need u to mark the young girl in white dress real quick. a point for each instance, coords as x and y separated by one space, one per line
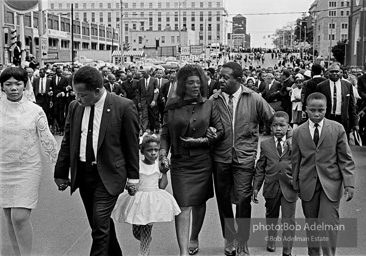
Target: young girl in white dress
148 202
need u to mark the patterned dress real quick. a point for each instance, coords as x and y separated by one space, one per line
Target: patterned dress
24 133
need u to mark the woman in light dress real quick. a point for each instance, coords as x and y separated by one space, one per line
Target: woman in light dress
24 134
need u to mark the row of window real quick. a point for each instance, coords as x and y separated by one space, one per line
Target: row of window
332 37
334 13
343 4
134 5
343 25
193 27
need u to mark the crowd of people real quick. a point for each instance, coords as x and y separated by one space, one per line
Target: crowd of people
201 124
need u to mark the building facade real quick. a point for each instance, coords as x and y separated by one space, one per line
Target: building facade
206 17
239 37
330 21
57 31
356 46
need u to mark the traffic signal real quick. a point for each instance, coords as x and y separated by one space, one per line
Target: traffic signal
13 37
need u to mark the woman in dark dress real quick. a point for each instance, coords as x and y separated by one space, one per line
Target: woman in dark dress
191 125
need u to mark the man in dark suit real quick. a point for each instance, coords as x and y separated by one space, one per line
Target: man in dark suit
287 83
114 87
41 88
310 86
59 84
130 87
161 104
100 148
147 96
212 84
341 106
272 95
261 82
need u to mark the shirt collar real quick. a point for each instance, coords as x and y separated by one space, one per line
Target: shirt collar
311 123
283 139
100 102
235 94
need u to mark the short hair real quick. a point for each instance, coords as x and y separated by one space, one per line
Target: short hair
286 72
316 69
16 72
316 96
235 67
111 76
280 114
146 139
90 77
187 71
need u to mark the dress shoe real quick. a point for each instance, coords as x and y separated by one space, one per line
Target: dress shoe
271 246
242 249
230 249
193 247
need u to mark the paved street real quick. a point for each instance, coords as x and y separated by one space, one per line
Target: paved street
61 228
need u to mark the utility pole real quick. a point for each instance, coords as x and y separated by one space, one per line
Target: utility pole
40 32
72 34
112 45
121 33
330 41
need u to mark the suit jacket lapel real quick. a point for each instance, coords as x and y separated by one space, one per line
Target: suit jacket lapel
324 132
78 117
307 135
105 119
344 97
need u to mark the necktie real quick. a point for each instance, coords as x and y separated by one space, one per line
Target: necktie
89 154
335 99
112 87
231 105
146 84
316 134
279 148
41 87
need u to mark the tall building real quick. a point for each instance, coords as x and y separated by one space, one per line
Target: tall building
239 36
206 16
356 47
330 21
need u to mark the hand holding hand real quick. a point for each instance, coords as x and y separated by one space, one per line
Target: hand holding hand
62 184
153 104
131 188
164 164
254 196
348 193
211 133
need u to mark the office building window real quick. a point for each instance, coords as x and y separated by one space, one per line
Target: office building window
201 4
184 17
52 6
167 5
93 5
117 17
159 5
76 16
167 17
159 27
134 14
159 16
117 5
109 17
332 4
141 14
331 36
126 5
342 13
142 25
217 4
163 39
347 13
201 27
101 17
126 27
142 5
150 5
193 27
76 6
344 25
84 6
85 17
133 5
140 39
209 4
109 5
176 27
332 13
126 15
93 17
100 5
201 16
218 28
331 25
60 5
134 26
209 27
172 39
209 37
344 37
176 16
193 4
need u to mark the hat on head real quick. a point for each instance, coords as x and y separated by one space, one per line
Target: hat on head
307 73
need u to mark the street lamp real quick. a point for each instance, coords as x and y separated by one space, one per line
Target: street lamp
180 29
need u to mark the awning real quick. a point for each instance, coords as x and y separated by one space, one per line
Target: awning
129 53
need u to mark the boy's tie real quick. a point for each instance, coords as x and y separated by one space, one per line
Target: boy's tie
279 148
334 99
316 134
231 105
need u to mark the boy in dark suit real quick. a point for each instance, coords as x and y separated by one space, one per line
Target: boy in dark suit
274 166
322 166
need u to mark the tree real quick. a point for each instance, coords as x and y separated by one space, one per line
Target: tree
339 51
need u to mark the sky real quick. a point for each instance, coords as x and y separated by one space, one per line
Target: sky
260 26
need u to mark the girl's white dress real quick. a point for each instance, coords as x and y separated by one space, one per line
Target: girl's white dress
24 134
149 204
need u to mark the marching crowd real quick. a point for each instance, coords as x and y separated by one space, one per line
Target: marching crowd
208 122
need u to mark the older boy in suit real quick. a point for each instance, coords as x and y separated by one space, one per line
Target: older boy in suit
274 166
322 166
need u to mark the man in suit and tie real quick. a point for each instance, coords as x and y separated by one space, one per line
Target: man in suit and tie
41 89
168 88
114 87
17 53
272 95
147 96
341 105
161 104
309 86
59 84
212 85
261 82
101 150
285 98
130 87
322 167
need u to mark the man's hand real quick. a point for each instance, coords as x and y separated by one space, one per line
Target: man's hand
131 188
153 104
211 133
361 113
50 93
254 196
62 184
356 128
348 193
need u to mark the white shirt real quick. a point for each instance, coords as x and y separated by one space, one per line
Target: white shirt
98 111
42 85
339 96
147 81
312 128
236 97
160 82
270 85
